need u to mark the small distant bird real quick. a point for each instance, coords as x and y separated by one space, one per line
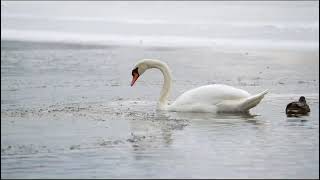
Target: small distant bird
298 108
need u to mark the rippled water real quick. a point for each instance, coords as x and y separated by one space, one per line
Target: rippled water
68 111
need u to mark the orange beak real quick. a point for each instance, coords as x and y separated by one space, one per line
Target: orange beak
135 76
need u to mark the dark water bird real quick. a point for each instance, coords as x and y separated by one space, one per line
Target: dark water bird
298 108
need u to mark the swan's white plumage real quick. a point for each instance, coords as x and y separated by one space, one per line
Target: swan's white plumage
209 98
206 98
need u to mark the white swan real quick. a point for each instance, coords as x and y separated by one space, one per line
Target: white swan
209 98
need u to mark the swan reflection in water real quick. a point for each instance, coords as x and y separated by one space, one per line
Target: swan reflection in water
165 124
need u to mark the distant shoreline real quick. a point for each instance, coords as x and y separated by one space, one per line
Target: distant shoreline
9 44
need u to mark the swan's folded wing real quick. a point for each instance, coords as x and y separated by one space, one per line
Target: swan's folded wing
243 104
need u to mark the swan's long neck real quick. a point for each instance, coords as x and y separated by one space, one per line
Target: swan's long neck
166 88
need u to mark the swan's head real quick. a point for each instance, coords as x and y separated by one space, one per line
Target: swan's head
139 69
145 64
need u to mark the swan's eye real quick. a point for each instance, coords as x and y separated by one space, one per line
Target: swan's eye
135 71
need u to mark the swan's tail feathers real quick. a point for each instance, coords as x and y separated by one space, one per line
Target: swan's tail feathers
252 101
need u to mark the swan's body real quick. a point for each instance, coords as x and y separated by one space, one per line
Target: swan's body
215 98
209 98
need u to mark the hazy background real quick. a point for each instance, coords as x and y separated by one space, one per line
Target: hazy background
253 24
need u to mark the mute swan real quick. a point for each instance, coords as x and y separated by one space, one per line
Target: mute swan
298 108
208 98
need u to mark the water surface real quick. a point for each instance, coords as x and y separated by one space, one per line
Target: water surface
68 111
